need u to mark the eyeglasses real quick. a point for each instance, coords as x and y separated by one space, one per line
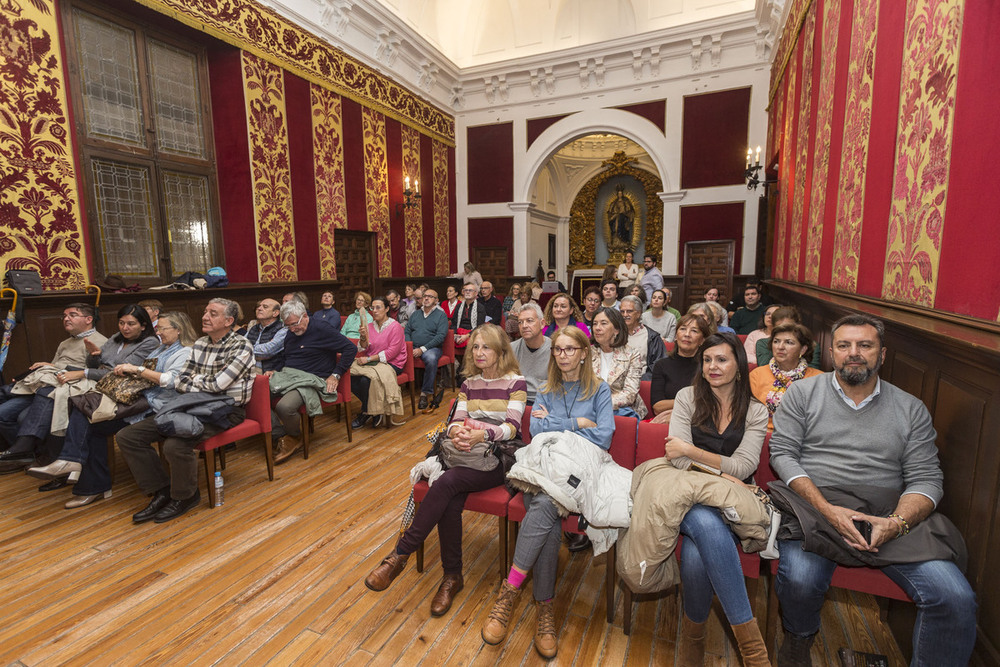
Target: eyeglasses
163 327
564 351
295 324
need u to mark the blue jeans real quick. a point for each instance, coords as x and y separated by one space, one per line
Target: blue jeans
945 630
710 565
430 358
37 419
10 412
87 444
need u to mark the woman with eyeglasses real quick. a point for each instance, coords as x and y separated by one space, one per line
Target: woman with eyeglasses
572 399
385 352
84 455
358 321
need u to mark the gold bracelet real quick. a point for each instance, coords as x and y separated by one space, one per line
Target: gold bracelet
904 527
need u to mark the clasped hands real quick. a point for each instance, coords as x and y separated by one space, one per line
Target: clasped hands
843 518
541 412
464 438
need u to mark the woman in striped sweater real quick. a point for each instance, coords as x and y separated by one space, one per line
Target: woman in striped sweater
494 391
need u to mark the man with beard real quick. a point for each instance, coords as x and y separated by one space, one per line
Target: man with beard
858 454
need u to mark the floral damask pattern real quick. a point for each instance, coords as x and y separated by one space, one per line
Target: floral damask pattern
377 186
824 129
442 251
413 225
923 150
253 27
328 170
272 194
802 141
785 50
854 151
39 209
785 187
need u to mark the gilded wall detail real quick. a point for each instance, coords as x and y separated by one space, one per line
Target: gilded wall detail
442 254
377 186
923 150
269 169
40 214
801 195
413 223
328 170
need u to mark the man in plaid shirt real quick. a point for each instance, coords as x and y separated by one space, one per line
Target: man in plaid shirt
221 363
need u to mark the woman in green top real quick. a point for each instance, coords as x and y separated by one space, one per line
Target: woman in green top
358 320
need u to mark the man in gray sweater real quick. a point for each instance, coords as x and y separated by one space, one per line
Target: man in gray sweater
532 349
845 429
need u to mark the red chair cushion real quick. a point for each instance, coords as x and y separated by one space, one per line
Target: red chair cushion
650 441
491 501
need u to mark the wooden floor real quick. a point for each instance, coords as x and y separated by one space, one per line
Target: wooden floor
276 577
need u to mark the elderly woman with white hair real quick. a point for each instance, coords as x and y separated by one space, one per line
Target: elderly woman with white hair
640 337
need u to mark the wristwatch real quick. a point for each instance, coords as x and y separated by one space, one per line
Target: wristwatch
336 377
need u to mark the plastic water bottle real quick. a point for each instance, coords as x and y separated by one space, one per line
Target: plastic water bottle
220 492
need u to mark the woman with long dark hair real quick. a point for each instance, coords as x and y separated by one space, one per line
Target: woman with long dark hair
617 363
676 370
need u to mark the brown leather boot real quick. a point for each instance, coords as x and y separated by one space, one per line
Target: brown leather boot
495 628
691 649
546 640
752 648
451 584
388 569
287 446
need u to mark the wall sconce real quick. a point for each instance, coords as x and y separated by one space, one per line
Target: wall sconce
752 173
411 198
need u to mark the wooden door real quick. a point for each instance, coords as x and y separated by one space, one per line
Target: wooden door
708 264
491 262
355 266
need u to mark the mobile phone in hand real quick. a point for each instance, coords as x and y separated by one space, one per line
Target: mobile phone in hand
865 528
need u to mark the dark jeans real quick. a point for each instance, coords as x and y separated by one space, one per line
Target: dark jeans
87 444
11 411
361 385
37 419
442 507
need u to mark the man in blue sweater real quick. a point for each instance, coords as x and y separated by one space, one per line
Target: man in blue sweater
848 438
426 329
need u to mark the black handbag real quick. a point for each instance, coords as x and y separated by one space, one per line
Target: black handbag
25 283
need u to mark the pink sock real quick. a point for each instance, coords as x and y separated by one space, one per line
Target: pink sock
515 578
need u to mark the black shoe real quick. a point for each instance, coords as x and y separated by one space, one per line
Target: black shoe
18 456
360 421
159 501
422 403
57 483
175 508
7 467
794 651
577 541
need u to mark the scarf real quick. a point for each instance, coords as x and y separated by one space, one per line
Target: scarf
473 316
782 380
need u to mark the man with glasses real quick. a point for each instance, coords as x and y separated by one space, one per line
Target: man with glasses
468 315
426 329
78 321
267 335
640 337
310 370
651 278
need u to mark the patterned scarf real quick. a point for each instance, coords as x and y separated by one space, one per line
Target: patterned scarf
782 380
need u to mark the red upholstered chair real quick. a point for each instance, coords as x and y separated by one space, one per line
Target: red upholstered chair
343 398
669 347
447 359
343 321
406 377
742 337
257 422
623 452
645 387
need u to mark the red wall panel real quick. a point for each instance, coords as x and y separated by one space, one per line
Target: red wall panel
427 201
491 163
715 138
535 126
712 222
298 110
655 112
493 233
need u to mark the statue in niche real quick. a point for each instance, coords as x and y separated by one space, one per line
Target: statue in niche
622 223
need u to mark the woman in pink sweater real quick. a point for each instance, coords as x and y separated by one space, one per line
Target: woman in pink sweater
386 345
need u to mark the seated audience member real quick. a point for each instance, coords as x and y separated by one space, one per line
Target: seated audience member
705 312
719 312
853 448
409 295
356 324
221 365
646 342
764 331
747 318
469 314
309 372
658 319
532 349
327 313
718 424
737 301
450 302
524 298
676 370
650 279
638 293
395 303
298 296
609 290
267 335
783 315
713 294
666 305
791 347
561 311
551 277
491 305
628 271
572 399
48 412
427 329
84 455
617 363
513 294
153 308
493 395
415 303
591 304
78 320
536 290
374 371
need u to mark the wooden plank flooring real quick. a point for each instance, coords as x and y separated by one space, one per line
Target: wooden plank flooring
275 577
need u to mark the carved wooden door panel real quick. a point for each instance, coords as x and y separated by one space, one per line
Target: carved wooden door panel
491 262
708 264
355 266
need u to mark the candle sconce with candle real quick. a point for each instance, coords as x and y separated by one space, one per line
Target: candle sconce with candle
752 173
411 197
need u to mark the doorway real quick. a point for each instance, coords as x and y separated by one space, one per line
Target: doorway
708 264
